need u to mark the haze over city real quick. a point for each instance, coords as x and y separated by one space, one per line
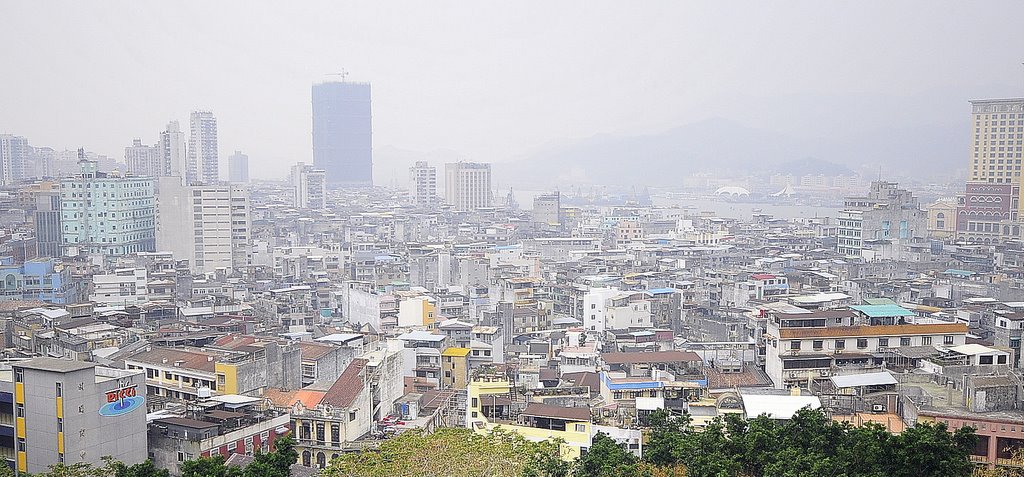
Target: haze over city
511 239
495 82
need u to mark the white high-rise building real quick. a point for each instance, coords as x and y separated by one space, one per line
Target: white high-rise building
310 186
208 225
238 168
203 160
143 160
172 151
424 183
467 185
14 159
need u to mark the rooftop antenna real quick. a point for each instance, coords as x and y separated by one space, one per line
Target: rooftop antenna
343 73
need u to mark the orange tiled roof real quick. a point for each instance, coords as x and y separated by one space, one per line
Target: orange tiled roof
282 398
879 330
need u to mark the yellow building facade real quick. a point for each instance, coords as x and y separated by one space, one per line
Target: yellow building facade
486 390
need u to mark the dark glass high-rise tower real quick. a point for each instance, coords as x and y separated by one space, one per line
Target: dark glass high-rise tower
342 143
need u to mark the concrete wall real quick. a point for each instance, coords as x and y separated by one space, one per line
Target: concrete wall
88 436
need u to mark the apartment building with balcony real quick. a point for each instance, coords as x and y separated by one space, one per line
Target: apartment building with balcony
811 346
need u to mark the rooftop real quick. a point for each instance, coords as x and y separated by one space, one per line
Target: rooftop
881 311
348 386
557 412
879 330
650 357
55 365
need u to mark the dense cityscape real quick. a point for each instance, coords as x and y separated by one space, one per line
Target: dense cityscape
167 313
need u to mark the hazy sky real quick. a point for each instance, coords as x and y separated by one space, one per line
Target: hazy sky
490 81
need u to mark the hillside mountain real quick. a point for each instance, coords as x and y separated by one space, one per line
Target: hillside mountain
723 146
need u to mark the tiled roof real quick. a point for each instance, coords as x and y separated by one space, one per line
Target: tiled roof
283 398
193 360
817 314
348 386
314 351
880 330
557 412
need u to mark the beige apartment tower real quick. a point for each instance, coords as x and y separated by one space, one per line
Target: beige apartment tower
990 209
467 185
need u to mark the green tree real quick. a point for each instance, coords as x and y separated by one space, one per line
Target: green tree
930 449
117 468
207 467
274 464
453 451
606 458
667 439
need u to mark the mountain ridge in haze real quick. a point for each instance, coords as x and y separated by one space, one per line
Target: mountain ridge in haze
725 147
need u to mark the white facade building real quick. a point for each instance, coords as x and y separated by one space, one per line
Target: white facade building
143 160
628 310
467 185
125 286
173 154
238 168
594 306
310 185
424 184
208 225
14 158
203 160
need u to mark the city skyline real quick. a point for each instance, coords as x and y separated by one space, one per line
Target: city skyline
750 87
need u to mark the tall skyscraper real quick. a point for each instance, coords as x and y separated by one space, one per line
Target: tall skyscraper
342 144
310 185
143 160
238 168
14 159
203 161
990 210
424 184
172 151
106 214
467 185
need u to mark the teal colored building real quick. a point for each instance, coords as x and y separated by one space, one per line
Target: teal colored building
107 214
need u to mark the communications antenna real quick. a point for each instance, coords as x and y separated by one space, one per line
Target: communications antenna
343 74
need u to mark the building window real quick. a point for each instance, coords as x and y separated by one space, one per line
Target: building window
794 345
351 416
947 340
19 375
862 343
581 428
883 342
926 340
840 344
984 359
60 390
818 344
905 341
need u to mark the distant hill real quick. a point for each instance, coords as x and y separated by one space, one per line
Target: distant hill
723 146
810 165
